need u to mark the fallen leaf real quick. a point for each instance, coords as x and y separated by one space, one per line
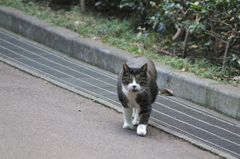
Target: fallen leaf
236 78
185 68
194 46
168 91
96 38
77 22
204 69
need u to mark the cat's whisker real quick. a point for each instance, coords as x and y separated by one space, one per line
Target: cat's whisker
144 90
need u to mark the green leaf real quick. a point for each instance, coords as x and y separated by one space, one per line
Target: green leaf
204 11
194 5
153 4
98 3
139 36
172 5
160 28
208 43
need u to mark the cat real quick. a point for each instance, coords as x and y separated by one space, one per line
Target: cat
137 90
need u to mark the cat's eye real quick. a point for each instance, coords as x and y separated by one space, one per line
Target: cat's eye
126 79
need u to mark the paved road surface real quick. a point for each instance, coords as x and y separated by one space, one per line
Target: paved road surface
40 120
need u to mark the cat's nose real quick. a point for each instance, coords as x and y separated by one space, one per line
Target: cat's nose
134 86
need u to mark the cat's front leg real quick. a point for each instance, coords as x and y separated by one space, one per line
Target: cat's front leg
144 116
136 116
127 113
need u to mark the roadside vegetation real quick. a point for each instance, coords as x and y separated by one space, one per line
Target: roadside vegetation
202 37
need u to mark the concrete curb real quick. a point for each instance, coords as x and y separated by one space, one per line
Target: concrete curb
209 93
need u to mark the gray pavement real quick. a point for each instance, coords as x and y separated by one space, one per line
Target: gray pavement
41 120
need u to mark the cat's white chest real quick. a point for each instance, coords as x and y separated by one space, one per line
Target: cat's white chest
131 96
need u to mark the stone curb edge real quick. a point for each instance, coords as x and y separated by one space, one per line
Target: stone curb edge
206 92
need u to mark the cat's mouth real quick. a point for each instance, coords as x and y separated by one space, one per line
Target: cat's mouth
134 90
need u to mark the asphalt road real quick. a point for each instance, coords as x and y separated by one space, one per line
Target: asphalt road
41 120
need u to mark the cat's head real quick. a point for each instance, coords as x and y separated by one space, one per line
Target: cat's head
134 79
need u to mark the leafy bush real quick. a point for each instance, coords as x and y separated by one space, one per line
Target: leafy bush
211 24
207 29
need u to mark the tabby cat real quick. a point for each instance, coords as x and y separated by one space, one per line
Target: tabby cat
137 90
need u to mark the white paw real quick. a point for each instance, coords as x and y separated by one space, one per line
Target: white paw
142 130
127 126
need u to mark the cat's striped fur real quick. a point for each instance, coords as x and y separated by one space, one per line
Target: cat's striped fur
137 90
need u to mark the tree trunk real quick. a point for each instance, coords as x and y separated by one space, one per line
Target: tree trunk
226 53
178 33
82 3
185 44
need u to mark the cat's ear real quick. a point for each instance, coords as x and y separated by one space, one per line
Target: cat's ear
143 68
125 68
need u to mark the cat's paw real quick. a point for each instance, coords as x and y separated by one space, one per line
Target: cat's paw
142 130
127 126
